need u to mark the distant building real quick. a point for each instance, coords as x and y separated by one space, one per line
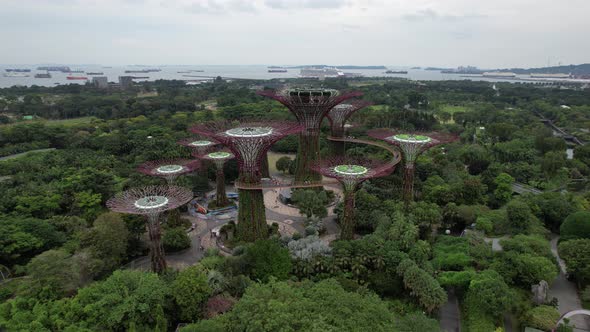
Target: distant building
100 82
126 81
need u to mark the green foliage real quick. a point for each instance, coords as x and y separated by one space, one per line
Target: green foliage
190 290
266 259
458 280
283 164
484 224
416 322
576 254
576 226
322 306
422 285
542 317
488 293
107 241
54 273
175 239
503 191
311 202
451 253
520 216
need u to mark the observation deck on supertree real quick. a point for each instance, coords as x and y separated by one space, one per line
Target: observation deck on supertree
338 116
351 173
219 158
309 106
169 169
412 145
198 146
151 202
249 143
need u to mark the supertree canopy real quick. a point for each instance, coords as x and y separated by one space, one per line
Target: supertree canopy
309 106
151 202
199 146
411 145
352 172
249 143
338 116
169 169
219 158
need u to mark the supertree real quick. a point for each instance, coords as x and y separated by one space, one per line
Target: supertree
351 173
338 116
219 158
169 169
249 143
309 106
411 145
199 147
151 202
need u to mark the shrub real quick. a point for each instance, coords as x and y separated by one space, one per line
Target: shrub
576 226
484 224
542 317
266 258
176 239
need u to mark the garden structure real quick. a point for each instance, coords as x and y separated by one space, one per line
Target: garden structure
219 158
169 169
309 106
249 143
411 145
151 202
338 116
198 148
351 173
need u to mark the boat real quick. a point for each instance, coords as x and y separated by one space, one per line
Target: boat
197 70
416 68
140 71
283 70
15 74
396 72
183 72
140 77
76 77
17 70
43 75
547 75
94 73
320 72
77 71
63 69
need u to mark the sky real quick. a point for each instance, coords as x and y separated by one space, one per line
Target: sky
446 33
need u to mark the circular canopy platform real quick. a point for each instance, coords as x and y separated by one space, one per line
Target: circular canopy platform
303 92
201 143
350 170
409 138
151 202
169 169
249 131
220 155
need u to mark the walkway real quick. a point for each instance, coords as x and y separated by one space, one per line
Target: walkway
449 315
22 154
566 292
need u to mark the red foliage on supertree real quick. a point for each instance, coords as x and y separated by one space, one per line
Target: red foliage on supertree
340 113
249 142
169 169
150 200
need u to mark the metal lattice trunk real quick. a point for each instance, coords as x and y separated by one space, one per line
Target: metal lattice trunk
249 143
219 158
309 106
151 202
412 146
338 116
351 172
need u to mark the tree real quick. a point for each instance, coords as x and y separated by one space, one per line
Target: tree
283 164
503 191
543 317
576 254
190 291
552 162
576 226
416 322
520 217
311 202
489 293
306 306
422 285
107 241
266 259
176 239
53 274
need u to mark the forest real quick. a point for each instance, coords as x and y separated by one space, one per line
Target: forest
469 238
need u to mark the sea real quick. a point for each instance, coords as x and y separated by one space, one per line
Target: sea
169 72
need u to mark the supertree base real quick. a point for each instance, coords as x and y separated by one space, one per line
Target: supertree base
347 224
307 155
251 216
157 256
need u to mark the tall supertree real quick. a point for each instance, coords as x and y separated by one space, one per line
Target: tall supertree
151 202
249 143
351 173
309 106
199 147
219 158
338 116
412 145
169 169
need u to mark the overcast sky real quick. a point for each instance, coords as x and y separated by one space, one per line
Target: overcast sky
489 34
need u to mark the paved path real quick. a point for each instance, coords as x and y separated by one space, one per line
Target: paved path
12 156
496 246
449 316
566 292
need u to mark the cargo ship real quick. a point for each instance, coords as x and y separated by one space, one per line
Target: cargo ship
76 77
547 75
43 75
63 69
17 70
396 72
321 72
15 74
278 70
94 74
140 71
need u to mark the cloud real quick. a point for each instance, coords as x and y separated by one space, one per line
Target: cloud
220 7
432 15
306 4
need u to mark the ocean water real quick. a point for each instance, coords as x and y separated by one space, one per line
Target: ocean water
225 71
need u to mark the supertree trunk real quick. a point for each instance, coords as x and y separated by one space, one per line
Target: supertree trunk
307 154
251 216
338 147
264 167
409 171
157 257
347 225
221 199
